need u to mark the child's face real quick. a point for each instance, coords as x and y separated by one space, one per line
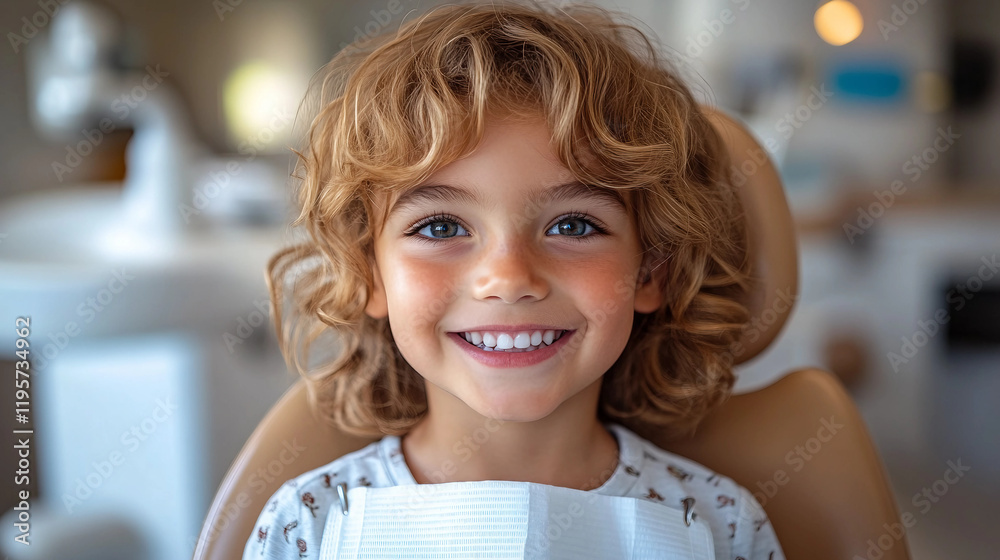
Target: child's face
506 261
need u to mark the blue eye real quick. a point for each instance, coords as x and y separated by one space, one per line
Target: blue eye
571 231
435 225
441 229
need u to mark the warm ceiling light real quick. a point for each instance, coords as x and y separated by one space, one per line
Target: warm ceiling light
838 22
258 98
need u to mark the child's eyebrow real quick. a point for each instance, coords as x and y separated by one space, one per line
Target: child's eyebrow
565 191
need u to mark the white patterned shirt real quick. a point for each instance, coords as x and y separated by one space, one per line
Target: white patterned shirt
291 525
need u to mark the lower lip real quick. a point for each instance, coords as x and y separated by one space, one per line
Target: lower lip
501 359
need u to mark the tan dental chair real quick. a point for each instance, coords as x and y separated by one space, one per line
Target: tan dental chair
830 506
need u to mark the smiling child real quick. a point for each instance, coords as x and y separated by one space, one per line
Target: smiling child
522 227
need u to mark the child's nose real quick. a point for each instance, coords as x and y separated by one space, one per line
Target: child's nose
510 272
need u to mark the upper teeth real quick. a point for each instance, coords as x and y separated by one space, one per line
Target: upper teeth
505 341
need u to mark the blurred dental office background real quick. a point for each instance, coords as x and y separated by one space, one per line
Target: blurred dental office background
143 166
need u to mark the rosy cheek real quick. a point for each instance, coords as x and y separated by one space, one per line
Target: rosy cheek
418 283
600 293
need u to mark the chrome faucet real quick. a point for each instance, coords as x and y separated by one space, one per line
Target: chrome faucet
79 94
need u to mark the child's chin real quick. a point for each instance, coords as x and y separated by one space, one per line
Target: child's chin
517 408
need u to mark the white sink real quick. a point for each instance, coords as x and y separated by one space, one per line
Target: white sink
63 263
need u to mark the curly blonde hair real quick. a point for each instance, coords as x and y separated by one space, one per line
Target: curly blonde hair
393 109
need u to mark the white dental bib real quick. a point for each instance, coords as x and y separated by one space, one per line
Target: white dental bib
510 520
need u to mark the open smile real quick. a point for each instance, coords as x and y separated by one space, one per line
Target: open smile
512 357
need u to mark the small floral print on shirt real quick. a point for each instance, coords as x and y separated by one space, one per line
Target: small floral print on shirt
724 500
309 501
327 480
288 528
679 473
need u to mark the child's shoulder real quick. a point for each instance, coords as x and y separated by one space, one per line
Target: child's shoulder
736 519
682 476
292 522
655 455
364 467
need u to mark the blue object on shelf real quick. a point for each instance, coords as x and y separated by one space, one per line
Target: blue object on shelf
882 82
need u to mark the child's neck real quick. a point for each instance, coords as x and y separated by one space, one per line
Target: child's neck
568 448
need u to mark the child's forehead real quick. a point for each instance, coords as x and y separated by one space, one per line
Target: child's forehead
385 194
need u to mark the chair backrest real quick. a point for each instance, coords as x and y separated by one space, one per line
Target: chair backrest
826 508
801 447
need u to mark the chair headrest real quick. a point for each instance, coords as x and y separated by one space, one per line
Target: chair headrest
773 248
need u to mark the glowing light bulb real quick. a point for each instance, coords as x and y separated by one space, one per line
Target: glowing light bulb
258 97
838 22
